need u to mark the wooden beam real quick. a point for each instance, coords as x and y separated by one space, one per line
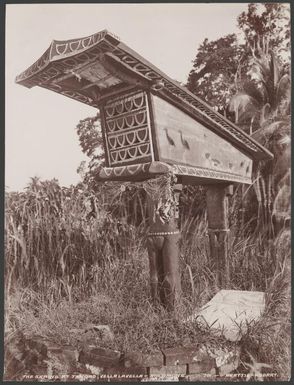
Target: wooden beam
97 83
217 215
124 72
61 78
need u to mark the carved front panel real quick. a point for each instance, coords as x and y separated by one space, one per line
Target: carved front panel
127 130
184 141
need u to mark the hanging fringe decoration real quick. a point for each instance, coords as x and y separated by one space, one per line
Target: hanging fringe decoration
159 189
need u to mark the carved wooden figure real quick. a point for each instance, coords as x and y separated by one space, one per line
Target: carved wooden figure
151 126
163 248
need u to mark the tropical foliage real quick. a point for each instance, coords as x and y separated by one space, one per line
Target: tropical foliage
74 255
73 259
262 108
266 96
221 67
271 23
248 80
213 76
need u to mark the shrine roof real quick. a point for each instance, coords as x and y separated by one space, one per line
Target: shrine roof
90 69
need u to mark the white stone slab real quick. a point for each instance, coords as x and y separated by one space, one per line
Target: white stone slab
230 311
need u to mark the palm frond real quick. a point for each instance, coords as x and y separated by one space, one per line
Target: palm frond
283 87
274 69
265 113
265 131
252 89
243 104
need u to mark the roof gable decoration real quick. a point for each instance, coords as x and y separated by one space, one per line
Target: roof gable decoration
84 69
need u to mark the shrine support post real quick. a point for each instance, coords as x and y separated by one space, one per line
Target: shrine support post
218 230
163 250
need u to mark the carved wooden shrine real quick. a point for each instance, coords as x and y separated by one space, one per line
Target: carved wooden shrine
152 126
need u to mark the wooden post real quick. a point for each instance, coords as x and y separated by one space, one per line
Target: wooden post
217 215
163 251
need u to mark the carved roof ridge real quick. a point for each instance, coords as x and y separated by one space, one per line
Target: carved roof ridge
64 51
60 49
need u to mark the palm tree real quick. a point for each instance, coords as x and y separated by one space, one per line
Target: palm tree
266 96
262 107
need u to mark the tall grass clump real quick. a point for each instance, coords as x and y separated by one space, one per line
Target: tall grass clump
77 257
56 238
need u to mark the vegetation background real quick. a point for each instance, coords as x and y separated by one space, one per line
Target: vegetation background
76 256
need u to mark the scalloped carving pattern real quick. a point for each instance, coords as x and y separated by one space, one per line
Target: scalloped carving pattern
127 129
76 52
43 72
203 111
130 171
61 49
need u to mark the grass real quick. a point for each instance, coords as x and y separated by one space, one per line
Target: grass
75 258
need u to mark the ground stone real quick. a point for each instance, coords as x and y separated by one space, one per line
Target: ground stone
99 357
103 331
133 359
229 312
